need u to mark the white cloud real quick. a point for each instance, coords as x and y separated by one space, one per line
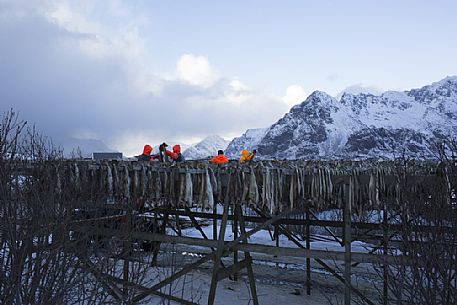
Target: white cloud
196 70
294 94
237 85
116 40
90 77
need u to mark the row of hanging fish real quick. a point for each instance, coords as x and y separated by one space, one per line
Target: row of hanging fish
270 185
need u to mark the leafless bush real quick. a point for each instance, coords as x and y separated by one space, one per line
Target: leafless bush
53 250
426 210
34 267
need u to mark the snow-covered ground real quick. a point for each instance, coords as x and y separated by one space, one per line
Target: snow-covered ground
279 280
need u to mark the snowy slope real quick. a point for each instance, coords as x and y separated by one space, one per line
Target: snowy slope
249 140
361 126
206 148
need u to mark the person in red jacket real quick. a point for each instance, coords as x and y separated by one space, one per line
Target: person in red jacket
176 154
146 156
220 158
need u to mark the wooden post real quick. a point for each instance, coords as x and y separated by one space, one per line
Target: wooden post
276 235
235 236
127 250
247 256
178 225
308 246
386 266
347 241
215 220
219 251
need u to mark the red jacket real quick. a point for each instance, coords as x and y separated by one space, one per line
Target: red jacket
146 156
176 154
219 159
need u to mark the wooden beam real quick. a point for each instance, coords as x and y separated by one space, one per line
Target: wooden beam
247 255
257 248
226 272
210 243
141 287
347 203
219 251
286 232
314 223
308 246
173 277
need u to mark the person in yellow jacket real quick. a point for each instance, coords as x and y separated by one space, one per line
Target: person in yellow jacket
246 156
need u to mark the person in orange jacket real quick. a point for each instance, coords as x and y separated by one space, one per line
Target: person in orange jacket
176 154
245 156
220 158
146 156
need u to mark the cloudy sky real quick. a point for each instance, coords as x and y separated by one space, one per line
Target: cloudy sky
133 72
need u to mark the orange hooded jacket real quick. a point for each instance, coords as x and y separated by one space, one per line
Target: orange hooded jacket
245 156
146 156
219 159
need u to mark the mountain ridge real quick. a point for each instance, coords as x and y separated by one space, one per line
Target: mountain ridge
361 125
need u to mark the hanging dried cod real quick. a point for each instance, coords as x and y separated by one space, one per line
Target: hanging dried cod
253 189
209 203
189 190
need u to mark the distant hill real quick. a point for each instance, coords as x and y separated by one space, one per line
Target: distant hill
73 147
206 148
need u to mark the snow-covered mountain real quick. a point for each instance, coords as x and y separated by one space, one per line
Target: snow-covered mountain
360 126
249 140
206 148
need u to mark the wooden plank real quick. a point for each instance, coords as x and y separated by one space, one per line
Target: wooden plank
347 240
190 267
126 251
219 251
325 228
318 223
323 264
251 277
235 236
173 277
272 250
198 227
226 272
308 246
141 287
385 248
111 289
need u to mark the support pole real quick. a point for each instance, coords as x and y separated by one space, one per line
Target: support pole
308 246
235 236
219 251
215 221
347 241
178 225
127 250
386 266
247 256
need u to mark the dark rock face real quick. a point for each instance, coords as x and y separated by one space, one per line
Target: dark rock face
298 133
249 140
380 141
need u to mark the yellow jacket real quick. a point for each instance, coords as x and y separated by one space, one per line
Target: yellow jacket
245 156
